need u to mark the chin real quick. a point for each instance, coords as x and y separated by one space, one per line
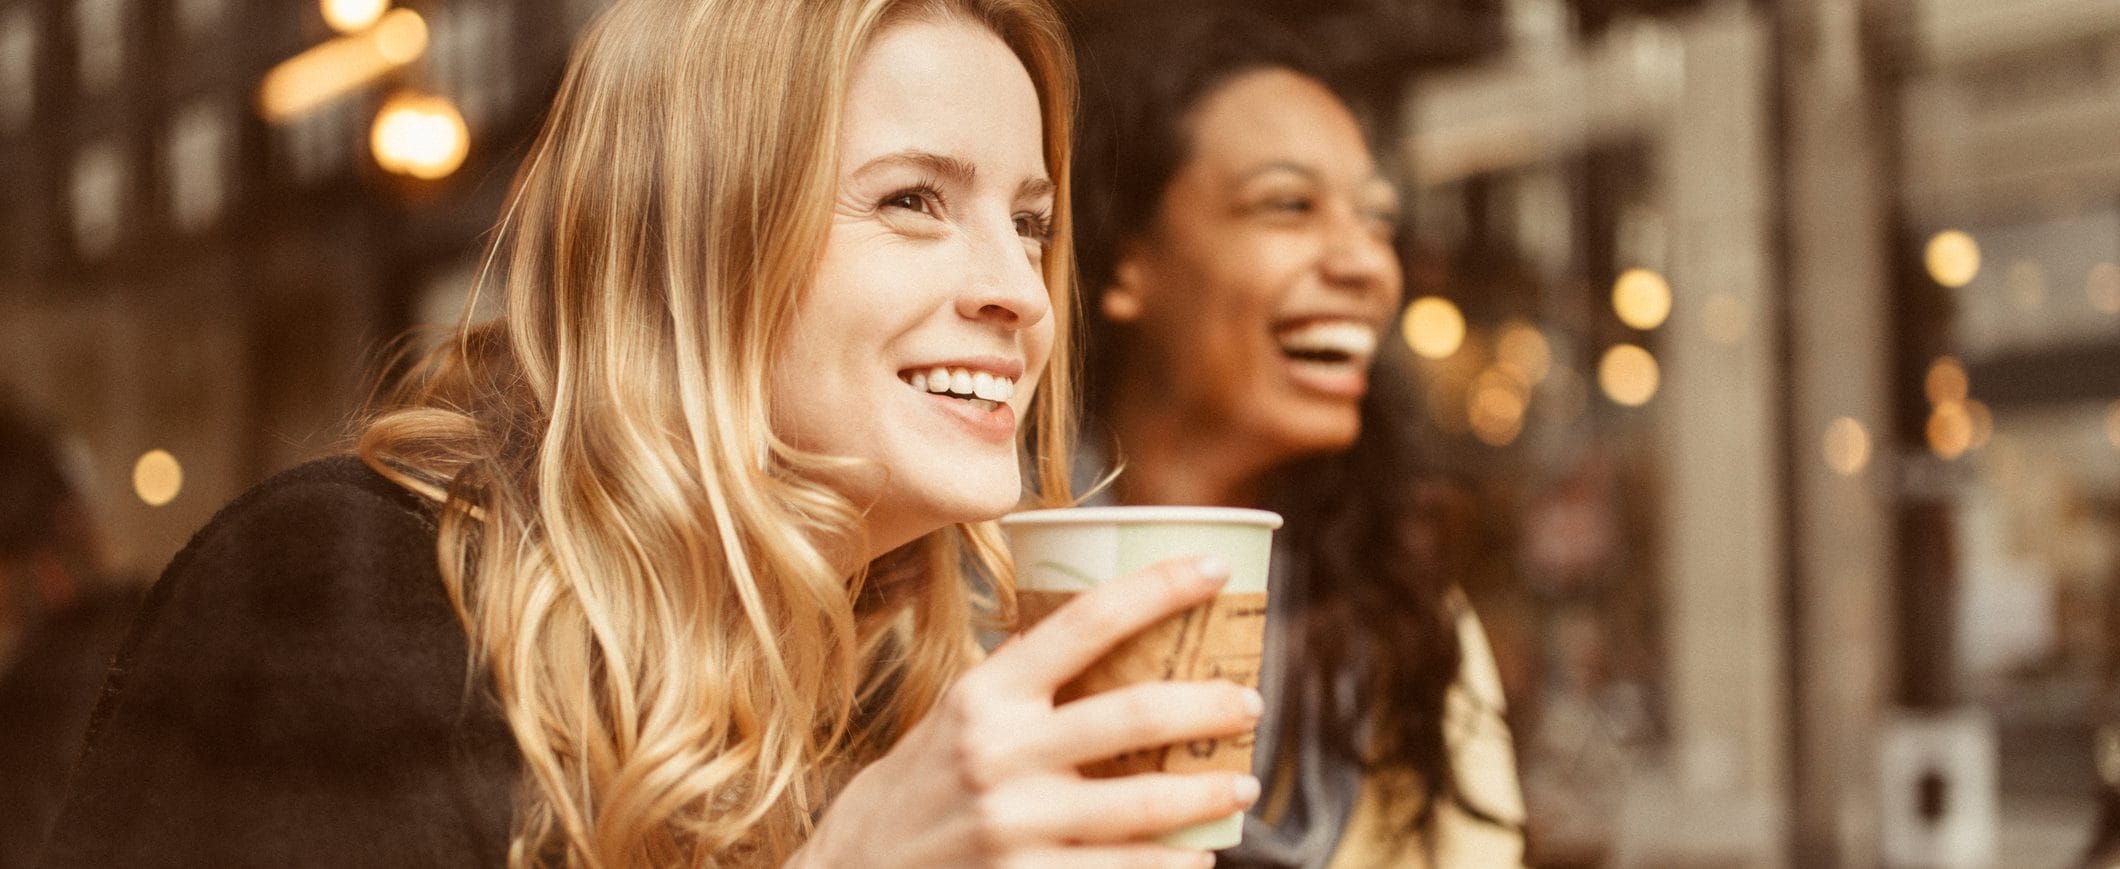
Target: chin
1312 434
971 500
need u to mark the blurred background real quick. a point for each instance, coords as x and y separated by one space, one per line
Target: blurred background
1770 354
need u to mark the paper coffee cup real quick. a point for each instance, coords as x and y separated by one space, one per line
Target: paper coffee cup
1062 553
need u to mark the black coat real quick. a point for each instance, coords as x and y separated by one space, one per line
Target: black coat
295 693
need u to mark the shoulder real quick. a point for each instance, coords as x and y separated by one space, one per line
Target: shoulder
1483 754
322 578
315 509
298 676
320 552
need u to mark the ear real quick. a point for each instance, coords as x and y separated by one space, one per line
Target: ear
1121 301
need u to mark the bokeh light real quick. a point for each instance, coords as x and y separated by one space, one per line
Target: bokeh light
1628 375
1946 381
1953 258
421 136
1523 350
1642 298
335 68
401 37
353 16
1495 407
1433 327
1846 446
157 477
1950 430
1983 422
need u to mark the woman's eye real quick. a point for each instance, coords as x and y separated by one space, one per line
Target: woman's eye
916 201
1034 227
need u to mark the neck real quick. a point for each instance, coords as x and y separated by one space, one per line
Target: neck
1185 457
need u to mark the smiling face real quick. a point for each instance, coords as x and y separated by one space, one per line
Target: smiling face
919 343
1256 299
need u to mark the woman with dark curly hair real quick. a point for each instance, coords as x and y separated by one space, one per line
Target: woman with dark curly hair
1239 273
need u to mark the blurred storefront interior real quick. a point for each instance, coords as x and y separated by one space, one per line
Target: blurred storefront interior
1769 355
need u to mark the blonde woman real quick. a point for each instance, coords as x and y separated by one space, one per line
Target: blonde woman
666 567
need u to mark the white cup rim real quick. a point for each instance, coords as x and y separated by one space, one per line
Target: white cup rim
1151 514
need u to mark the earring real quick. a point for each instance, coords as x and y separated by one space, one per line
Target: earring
1120 306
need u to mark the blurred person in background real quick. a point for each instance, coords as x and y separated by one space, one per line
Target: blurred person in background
1237 257
667 566
60 622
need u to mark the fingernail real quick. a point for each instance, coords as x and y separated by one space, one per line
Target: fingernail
1253 703
1206 860
1213 568
1246 789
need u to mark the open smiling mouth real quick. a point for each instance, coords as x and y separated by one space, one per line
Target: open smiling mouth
982 390
1328 342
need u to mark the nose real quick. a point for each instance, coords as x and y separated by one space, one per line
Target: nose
1006 289
1356 259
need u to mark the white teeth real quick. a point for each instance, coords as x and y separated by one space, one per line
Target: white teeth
984 387
1331 336
992 388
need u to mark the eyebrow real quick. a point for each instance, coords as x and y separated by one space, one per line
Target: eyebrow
1370 180
952 169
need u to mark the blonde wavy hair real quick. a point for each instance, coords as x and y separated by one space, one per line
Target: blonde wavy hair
646 572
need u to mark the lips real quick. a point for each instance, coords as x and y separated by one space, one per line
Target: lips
1330 341
1329 356
975 393
965 383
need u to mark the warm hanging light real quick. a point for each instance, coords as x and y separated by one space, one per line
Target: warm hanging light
353 16
306 81
419 135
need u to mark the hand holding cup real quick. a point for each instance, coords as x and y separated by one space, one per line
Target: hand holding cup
992 776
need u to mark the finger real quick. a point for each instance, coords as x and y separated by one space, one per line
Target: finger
1078 633
1113 857
1112 811
1145 715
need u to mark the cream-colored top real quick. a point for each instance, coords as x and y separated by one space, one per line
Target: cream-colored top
1485 763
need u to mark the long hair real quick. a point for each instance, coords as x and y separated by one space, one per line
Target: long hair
647 573
1371 603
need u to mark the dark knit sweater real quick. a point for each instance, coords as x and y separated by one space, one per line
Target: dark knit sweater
294 693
